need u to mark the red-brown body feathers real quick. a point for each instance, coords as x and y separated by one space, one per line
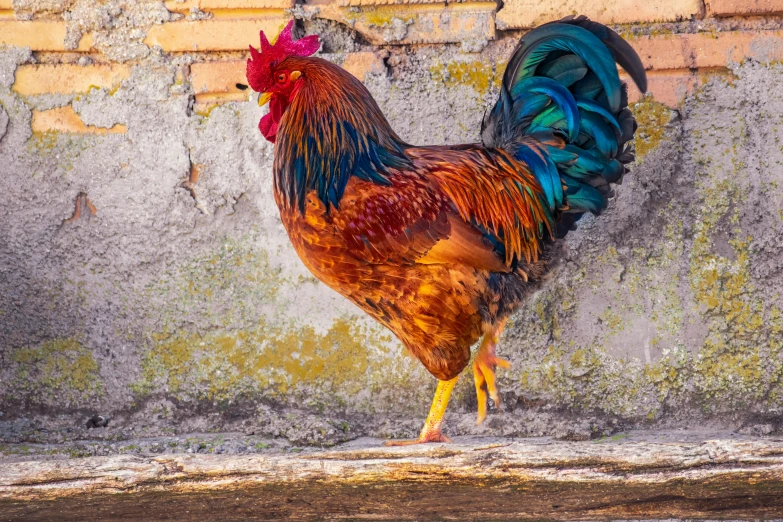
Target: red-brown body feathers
440 244
405 250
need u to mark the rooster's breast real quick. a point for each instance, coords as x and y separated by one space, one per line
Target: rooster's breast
432 309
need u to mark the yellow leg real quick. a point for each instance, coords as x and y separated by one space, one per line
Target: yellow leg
431 431
484 370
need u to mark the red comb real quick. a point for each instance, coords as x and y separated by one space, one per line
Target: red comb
259 66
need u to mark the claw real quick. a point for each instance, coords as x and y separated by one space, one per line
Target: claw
423 439
484 367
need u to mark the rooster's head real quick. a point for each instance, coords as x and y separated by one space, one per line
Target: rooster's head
267 73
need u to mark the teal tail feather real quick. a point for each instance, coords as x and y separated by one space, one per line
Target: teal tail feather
561 92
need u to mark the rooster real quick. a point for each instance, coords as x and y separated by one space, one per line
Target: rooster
441 244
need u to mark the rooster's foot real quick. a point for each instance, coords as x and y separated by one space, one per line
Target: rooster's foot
431 431
435 436
484 366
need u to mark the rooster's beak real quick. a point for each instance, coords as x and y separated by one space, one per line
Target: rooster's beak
263 98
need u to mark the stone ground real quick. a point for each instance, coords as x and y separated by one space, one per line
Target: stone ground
637 475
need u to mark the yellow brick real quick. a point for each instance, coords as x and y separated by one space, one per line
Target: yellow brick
211 5
64 119
216 81
362 63
744 7
414 24
38 35
532 13
214 35
67 78
697 51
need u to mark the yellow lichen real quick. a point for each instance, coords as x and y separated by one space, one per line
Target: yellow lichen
61 369
476 74
379 16
42 141
612 320
281 361
651 117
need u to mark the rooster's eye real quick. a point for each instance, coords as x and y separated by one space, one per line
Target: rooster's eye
281 78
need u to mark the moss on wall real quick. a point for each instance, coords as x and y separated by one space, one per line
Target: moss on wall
479 75
61 371
347 363
236 350
652 117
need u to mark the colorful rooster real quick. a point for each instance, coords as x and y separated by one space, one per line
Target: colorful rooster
441 244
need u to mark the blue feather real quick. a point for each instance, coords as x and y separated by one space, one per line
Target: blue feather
599 130
563 37
565 70
562 82
592 106
583 197
561 96
545 171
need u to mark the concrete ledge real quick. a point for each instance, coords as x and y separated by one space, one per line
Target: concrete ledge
474 478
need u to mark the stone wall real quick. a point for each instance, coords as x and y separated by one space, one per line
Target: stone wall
145 276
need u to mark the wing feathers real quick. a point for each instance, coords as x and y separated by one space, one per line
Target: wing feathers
464 245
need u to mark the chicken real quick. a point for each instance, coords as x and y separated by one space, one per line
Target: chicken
441 244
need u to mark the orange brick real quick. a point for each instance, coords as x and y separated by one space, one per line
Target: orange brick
6 10
65 119
744 7
667 87
211 5
692 51
362 63
67 78
214 35
360 3
517 14
216 81
414 24
38 35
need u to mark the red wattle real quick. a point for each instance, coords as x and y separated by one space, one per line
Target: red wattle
268 124
268 127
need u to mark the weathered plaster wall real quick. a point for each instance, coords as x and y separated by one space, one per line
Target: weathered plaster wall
144 274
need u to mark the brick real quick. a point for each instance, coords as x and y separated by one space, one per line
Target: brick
517 14
667 87
212 5
363 63
38 35
416 24
6 10
65 119
216 81
671 87
700 50
361 3
744 7
214 35
67 78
